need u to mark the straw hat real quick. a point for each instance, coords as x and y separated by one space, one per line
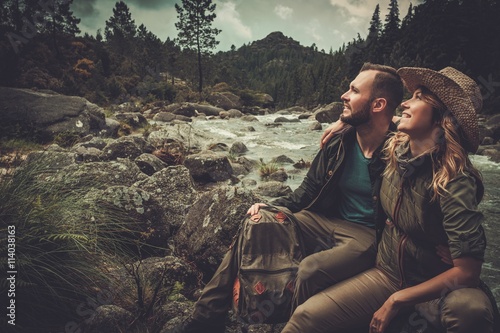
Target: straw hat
457 91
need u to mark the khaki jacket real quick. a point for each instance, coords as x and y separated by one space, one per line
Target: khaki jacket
415 225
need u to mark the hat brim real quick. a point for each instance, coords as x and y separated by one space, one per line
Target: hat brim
451 94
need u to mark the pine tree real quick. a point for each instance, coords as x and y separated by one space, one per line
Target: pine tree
391 31
407 19
375 25
195 29
120 28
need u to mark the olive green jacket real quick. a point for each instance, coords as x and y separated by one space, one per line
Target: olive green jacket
416 225
319 191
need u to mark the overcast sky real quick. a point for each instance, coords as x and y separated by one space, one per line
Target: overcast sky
327 23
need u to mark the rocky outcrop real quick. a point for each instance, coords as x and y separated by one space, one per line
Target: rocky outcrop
329 113
211 224
209 166
42 116
225 100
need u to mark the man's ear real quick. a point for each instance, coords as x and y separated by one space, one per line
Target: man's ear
379 104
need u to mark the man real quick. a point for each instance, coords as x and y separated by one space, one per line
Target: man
336 205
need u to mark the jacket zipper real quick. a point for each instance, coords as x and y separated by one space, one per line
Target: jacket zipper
403 239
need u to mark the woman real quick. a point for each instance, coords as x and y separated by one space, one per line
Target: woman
430 194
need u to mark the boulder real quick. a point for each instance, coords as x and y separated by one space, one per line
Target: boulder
225 100
286 120
41 116
238 148
193 109
279 176
273 189
133 119
173 189
149 164
210 226
329 113
121 149
109 319
208 166
316 126
145 217
164 116
493 124
281 159
99 175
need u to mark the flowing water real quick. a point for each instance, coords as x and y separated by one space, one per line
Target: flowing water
297 141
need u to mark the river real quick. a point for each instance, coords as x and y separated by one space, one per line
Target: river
297 141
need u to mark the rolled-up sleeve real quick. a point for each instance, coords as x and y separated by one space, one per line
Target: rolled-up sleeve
462 220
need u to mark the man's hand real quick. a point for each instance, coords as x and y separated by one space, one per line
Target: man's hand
255 208
330 131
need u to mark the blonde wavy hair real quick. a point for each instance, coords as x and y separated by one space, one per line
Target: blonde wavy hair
449 158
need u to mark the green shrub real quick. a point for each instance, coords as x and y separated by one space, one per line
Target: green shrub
64 242
266 169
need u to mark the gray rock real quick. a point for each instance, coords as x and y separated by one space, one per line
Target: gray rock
211 224
273 189
121 149
173 188
133 119
145 216
286 120
112 128
149 164
99 175
109 319
249 118
493 154
238 148
225 100
249 165
329 113
488 141
316 126
164 116
233 113
25 113
282 159
279 176
87 154
193 109
249 182
54 160
94 142
208 166
220 147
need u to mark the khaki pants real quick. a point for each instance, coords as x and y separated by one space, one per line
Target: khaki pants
336 250
350 305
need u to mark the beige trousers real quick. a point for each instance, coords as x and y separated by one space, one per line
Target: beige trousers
350 304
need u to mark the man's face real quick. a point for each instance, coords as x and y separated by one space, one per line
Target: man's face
357 100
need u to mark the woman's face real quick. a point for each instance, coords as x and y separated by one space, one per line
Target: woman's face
417 117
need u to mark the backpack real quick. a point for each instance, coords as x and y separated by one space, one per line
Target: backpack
269 250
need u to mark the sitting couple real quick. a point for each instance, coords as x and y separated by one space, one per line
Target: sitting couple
388 214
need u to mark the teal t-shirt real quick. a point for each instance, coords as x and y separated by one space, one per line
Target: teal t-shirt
356 203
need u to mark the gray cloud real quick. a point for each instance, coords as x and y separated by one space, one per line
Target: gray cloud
84 8
153 4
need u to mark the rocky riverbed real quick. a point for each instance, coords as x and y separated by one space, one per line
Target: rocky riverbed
187 173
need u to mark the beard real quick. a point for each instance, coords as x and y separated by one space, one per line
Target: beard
358 118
